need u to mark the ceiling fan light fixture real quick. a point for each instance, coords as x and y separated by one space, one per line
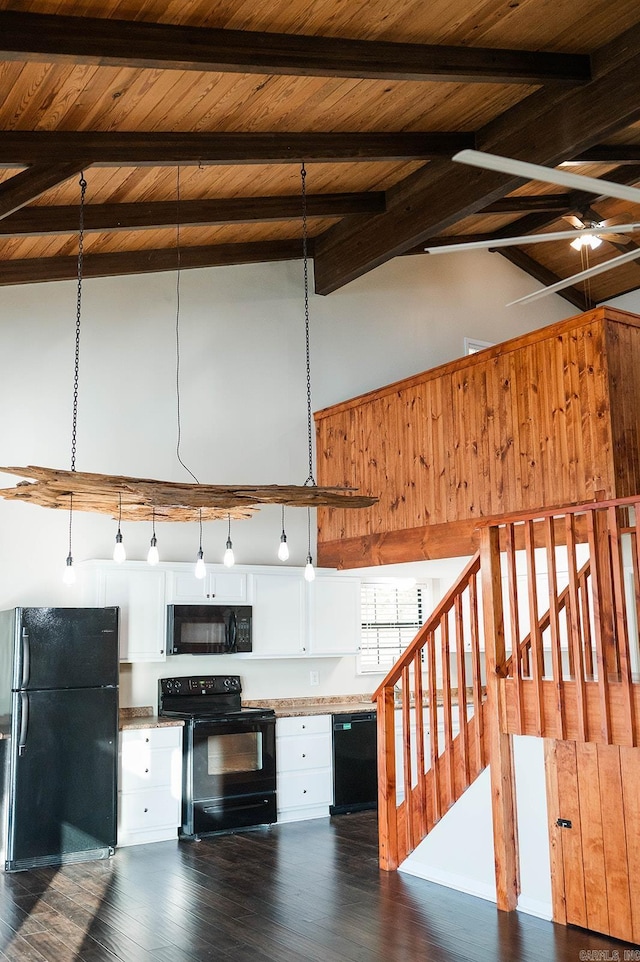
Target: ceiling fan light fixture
586 240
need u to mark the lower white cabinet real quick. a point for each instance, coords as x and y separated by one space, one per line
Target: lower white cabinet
303 765
149 785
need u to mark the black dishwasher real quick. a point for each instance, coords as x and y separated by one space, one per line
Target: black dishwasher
355 762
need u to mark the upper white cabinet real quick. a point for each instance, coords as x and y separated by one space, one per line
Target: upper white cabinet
334 615
279 613
218 587
139 592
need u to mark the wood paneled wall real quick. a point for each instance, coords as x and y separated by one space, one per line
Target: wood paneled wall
549 418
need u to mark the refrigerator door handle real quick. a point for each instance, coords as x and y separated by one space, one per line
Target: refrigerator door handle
24 724
26 658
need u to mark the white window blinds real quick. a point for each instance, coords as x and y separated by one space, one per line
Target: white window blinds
391 617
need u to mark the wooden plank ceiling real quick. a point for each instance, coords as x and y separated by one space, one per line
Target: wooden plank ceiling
199 114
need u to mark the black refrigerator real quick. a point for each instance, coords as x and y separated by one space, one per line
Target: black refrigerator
58 735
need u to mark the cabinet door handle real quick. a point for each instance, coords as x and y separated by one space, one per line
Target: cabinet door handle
147 740
146 809
303 755
146 771
304 791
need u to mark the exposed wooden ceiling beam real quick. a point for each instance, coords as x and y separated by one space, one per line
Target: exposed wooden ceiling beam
154 148
34 269
188 213
24 187
608 154
527 263
62 39
435 199
557 203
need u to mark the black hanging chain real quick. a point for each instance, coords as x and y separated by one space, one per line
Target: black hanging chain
74 428
179 261
305 259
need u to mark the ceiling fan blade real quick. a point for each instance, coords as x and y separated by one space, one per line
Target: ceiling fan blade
532 239
549 175
577 278
572 219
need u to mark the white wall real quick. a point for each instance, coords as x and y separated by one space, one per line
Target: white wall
243 399
458 852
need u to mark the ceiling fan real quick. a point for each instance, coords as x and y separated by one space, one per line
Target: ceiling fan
613 233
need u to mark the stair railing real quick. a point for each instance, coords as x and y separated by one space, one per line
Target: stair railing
437 748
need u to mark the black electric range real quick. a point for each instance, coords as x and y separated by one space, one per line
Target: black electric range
229 754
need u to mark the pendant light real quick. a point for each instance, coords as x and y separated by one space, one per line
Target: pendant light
283 550
152 555
309 572
229 559
119 552
69 575
201 570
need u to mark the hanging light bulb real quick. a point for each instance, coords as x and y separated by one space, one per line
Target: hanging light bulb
229 559
119 553
283 550
152 555
201 570
309 573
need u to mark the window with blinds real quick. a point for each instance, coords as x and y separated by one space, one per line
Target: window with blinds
391 617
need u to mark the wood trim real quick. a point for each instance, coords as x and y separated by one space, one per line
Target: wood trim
500 749
188 213
163 46
451 540
159 148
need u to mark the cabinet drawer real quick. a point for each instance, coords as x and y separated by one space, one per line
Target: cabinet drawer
304 725
147 810
298 789
141 767
168 737
303 753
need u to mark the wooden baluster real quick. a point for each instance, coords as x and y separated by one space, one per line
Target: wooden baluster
462 690
446 706
514 620
387 803
476 671
433 725
574 626
601 612
554 615
406 747
624 659
421 801
587 640
500 752
537 660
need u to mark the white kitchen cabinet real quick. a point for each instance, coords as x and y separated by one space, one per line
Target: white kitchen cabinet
219 587
138 590
334 615
303 766
149 785
279 614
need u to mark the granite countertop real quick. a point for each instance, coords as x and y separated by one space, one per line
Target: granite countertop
133 719
320 705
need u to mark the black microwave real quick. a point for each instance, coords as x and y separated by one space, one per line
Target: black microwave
208 629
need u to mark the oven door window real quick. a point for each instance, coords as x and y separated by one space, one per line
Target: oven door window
236 752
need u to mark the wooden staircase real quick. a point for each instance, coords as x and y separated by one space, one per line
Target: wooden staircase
538 636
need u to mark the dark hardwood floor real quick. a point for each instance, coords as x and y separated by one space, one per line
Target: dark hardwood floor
303 892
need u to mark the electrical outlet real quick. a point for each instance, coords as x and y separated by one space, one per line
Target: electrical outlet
314 677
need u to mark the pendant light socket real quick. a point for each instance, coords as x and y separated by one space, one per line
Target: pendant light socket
119 552
69 573
201 570
283 550
309 571
153 556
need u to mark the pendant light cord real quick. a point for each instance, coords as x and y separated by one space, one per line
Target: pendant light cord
74 427
305 259
179 259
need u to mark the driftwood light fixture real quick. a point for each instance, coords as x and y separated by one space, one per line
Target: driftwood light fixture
143 499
